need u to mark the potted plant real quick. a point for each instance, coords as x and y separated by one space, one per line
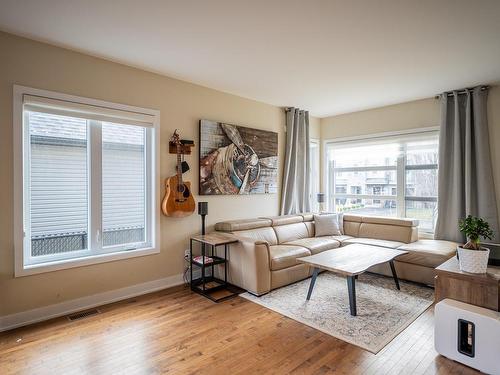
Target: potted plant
472 256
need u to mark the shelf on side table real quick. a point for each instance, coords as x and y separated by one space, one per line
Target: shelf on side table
216 260
215 289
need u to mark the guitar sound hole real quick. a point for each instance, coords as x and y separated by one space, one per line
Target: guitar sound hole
180 188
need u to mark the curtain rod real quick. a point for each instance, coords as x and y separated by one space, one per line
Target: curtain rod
462 91
288 109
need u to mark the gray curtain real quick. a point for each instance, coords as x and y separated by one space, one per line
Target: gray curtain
295 196
465 183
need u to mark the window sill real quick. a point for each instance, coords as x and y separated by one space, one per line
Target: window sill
81 262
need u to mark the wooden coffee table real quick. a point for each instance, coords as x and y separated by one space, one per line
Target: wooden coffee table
351 260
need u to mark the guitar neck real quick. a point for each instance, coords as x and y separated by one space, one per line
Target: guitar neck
179 165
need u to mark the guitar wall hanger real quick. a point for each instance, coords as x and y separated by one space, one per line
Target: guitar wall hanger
178 200
184 147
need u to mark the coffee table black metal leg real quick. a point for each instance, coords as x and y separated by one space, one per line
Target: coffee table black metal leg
394 274
313 280
351 286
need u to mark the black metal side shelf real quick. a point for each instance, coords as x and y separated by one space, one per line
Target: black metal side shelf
210 286
215 260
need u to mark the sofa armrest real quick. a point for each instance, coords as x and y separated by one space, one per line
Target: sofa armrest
249 265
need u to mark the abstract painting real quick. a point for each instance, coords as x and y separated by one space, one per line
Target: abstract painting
237 160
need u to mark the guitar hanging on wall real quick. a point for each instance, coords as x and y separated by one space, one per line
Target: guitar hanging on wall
178 200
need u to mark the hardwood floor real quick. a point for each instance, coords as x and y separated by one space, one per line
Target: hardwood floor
180 332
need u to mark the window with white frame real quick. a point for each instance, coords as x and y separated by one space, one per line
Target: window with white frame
314 174
385 176
88 175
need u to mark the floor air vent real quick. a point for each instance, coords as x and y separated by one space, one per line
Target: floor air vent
83 314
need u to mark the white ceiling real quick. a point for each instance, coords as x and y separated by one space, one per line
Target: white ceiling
330 56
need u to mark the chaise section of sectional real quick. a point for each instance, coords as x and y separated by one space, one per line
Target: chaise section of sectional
402 234
429 253
422 258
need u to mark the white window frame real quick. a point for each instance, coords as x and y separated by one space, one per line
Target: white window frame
21 198
400 169
313 199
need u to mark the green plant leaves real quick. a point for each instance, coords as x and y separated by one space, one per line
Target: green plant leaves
475 228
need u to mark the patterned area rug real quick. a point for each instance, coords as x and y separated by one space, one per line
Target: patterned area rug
383 311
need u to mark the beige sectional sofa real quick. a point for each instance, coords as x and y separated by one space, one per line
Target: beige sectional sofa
266 256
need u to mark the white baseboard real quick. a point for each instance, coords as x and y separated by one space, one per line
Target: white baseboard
59 309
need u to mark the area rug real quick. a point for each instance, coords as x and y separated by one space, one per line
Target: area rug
383 311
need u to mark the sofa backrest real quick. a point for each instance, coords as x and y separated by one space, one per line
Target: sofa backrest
280 229
381 228
273 229
292 227
351 225
244 224
291 232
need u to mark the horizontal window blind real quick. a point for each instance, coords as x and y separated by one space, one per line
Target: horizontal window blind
58 189
123 183
86 111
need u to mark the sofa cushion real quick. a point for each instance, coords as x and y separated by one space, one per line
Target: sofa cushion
428 253
386 232
353 218
233 225
340 220
308 216
351 224
373 242
326 225
341 238
390 221
310 228
316 244
260 234
284 219
284 256
291 232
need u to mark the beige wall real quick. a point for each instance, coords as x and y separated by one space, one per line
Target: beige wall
314 127
412 115
182 105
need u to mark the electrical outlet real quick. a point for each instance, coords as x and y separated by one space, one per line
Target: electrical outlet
186 254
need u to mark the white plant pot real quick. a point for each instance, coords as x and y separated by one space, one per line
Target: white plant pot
473 261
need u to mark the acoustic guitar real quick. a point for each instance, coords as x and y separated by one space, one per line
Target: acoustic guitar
178 200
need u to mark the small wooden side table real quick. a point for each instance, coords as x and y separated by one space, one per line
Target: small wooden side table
210 286
476 289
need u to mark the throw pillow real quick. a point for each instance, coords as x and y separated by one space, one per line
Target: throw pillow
326 225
